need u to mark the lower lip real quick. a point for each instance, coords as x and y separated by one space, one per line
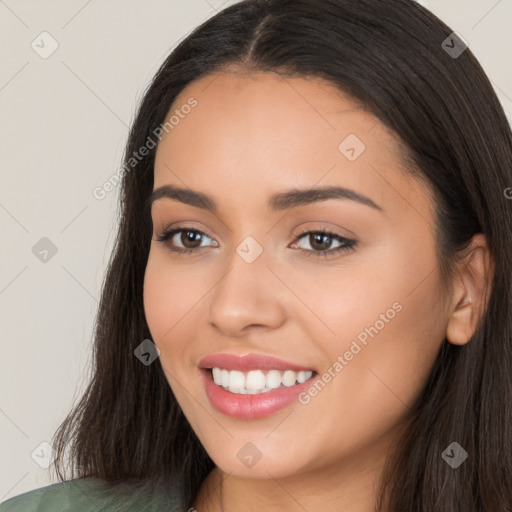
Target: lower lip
250 407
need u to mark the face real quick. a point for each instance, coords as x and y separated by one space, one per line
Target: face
342 289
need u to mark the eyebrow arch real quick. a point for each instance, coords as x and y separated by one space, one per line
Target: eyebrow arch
280 201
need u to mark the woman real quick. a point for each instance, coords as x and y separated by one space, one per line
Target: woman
235 372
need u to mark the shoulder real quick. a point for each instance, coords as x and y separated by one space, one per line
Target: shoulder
85 494
58 497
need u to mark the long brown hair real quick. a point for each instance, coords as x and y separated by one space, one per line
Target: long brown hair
389 56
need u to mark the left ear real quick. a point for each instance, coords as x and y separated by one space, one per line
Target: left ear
471 291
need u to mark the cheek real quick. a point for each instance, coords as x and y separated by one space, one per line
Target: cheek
172 306
379 378
163 303
155 298
386 324
165 294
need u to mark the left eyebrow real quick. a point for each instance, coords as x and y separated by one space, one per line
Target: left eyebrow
294 198
280 201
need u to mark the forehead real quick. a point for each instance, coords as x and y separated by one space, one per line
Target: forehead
257 133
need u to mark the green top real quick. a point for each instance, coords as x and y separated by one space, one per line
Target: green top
94 495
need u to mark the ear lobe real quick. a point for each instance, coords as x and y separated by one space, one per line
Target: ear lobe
471 293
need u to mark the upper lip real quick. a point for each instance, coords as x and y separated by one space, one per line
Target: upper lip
247 362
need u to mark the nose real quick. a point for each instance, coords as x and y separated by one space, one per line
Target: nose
248 296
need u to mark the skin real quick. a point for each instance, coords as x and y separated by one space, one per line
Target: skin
252 135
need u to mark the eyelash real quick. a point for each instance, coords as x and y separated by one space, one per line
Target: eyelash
349 244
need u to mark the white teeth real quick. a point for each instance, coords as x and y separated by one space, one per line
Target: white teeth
289 378
236 379
217 372
224 378
255 381
273 379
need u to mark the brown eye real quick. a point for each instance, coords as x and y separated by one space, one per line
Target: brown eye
321 242
189 238
188 241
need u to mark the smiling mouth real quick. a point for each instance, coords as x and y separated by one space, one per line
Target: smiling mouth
257 381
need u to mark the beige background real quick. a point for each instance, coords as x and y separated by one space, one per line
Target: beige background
64 124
